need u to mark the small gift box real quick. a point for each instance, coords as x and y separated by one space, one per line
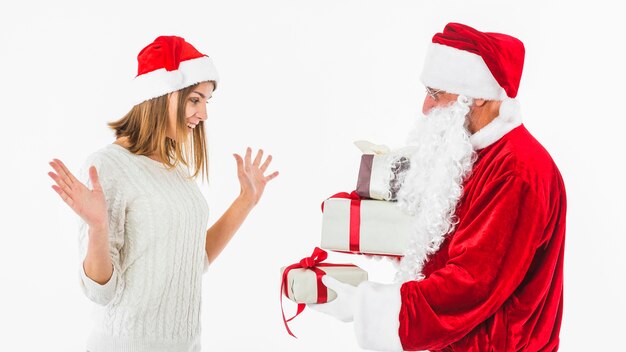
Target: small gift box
361 226
303 285
379 171
302 281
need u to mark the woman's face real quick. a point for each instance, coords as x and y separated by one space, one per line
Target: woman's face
195 107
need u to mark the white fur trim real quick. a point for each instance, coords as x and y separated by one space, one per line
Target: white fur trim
509 118
376 316
160 82
460 72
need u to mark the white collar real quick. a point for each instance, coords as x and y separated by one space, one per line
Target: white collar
508 119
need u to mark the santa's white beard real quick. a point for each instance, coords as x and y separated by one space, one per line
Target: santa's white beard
441 157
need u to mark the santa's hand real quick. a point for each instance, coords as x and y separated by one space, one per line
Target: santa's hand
341 307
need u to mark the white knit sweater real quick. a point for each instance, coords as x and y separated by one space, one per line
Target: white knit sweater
157 234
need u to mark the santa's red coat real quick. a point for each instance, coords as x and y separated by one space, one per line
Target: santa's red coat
496 284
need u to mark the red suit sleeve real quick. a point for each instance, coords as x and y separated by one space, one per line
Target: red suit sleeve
489 255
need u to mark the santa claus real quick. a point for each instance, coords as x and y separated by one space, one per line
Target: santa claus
484 268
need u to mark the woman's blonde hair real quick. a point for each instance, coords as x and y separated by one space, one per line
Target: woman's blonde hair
145 127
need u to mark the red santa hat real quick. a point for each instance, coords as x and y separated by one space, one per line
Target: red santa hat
481 65
169 64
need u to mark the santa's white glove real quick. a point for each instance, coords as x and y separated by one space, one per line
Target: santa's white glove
341 307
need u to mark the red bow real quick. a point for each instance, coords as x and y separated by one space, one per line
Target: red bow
312 263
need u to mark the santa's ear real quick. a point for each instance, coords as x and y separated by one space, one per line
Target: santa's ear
479 102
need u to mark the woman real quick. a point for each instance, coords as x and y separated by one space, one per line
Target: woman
144 244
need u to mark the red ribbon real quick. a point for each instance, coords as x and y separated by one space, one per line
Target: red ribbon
312 263
355 219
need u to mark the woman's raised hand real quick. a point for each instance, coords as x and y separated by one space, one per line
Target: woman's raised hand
251 175
90 205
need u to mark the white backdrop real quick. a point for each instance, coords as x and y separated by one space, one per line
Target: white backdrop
301 79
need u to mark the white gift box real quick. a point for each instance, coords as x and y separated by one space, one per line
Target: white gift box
383 228
302 283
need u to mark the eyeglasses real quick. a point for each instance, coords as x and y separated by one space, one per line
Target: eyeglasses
434 93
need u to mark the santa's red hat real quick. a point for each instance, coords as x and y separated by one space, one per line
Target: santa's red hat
481 65
169 64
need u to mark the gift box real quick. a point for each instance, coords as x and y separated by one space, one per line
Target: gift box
380 170
303 284
379 176
361 226
302 281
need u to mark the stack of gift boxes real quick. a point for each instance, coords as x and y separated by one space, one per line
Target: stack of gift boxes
365 221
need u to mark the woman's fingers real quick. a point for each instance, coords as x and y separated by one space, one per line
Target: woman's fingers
62 188
271 176
252 168
61 184
59 177
257 159
67 186
66 171
66 197
60 192
239 160
266 164
248 157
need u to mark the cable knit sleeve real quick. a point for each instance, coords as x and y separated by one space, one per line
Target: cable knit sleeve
116 204
205 268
